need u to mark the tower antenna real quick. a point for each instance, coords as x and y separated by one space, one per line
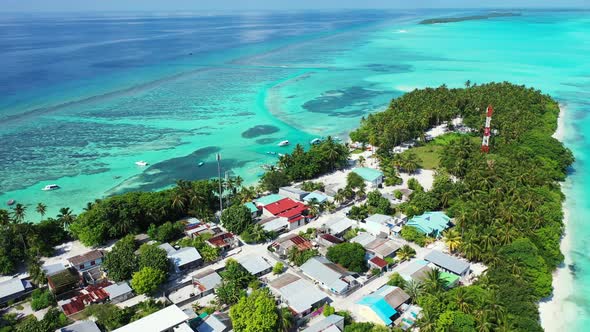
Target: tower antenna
485 143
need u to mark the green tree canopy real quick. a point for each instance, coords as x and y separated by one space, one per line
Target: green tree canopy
349 255
147 280
121 262
255 313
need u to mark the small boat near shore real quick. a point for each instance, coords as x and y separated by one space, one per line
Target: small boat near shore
10 202
315 141
200 164
284 143
50 187
141 163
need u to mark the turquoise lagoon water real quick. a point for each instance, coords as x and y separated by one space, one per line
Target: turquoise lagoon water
295 76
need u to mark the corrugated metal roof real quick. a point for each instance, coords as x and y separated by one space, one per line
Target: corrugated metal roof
379 219
86 257
184 256
363 239
317 196
117 290
11 287
301 294
253 208
320 269
447 262
326 323
368 174
158 321
254 264
265 200
82 326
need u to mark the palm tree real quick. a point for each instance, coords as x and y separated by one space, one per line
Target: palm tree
339 197
66 217
452 239
405 253
329 206
482 320
178 201
414 289
18 213
434 281
247 194
427 322
471 249
285 319
89 206
36 272
314 207
462 300
41 209
258 233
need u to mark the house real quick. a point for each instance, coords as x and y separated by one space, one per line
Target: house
224 241
409 317
293 193
94 276
206 282
85 297
372 176
295 212
328 240
81 326
377 263
415 270
329 275
300 295
382 306
119 292
269 199
216 322
374 246
431 223
168 248
254 211
379 225
255 264
64 281
283 245
164 320
338 227
13 289
185 259
316 196
201 285
448 263
275 224
198 228
87 261
332 323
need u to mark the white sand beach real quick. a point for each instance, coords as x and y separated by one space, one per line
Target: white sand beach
557 312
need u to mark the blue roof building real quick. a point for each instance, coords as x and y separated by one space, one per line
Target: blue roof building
380 306
269 199
317 196
430 223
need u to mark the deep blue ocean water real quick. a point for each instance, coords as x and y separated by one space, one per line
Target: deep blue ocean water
82 97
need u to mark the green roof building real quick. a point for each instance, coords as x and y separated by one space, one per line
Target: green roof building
253 209
371 175
450 279
430 223
268 199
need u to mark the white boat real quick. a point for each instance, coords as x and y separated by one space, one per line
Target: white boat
141 163
50 187
284 143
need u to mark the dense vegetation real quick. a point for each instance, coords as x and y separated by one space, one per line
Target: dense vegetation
350 255
300 165
506 204
135 212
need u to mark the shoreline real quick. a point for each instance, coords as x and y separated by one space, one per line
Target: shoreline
557 312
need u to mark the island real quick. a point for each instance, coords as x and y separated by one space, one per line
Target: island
467 18
410 225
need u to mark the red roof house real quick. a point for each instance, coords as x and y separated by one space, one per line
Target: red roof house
295 212
87 296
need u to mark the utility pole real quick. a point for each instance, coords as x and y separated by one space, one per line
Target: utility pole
220 187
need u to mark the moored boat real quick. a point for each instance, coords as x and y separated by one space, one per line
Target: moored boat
315 141
10 202
50 187
201 164
141 163
284 143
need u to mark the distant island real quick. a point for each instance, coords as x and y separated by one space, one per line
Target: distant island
467 18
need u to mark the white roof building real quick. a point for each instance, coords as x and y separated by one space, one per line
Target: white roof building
184 256
326 273
81 326
299 294
169 248
215 323
339 226
379 225
120 289
159 321
255 264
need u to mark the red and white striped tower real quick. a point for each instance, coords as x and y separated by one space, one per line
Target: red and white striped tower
485 144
